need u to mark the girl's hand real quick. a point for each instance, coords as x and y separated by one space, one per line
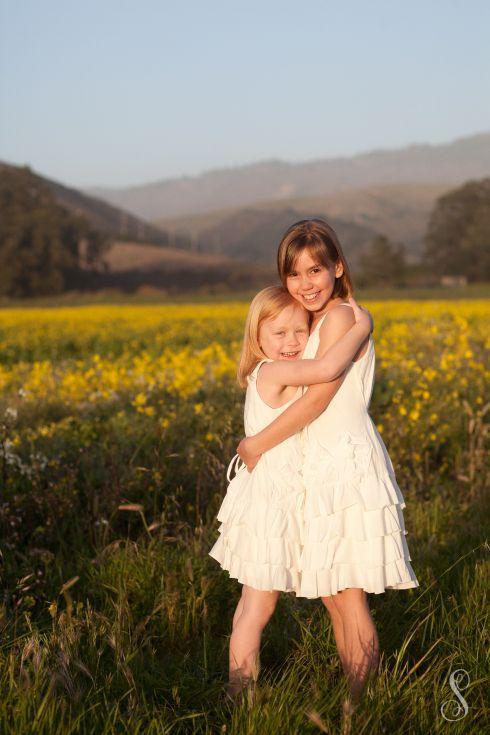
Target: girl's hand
361 315
246 453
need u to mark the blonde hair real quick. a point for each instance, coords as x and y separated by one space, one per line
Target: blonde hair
267 304
316 236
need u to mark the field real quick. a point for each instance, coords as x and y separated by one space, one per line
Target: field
116 427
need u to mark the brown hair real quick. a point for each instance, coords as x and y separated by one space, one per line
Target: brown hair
267 304
320 239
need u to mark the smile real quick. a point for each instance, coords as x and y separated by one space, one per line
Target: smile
290 354
310 296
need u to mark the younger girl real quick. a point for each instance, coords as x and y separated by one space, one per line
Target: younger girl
261 531
354 533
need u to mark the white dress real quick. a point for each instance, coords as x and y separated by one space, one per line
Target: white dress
354 532
261 529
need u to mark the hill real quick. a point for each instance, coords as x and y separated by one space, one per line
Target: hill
399 211
54 240
446 165
132 266
103 217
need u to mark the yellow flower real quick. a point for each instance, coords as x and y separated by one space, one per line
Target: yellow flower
139 400
198 408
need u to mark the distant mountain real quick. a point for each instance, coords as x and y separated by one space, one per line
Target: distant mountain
102 216
401 212
447 164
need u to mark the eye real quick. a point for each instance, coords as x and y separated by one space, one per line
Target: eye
292 275
316 269
280 333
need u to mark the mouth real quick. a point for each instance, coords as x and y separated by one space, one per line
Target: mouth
310 297
290 355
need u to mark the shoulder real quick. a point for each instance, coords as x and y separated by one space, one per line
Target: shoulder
339 318
252 378
337 322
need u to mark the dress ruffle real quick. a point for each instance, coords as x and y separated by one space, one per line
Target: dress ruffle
337 523
354 528
261 529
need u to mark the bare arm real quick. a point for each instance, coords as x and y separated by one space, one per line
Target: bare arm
310 405
330 365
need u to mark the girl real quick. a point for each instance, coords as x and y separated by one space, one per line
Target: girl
261 531
354 533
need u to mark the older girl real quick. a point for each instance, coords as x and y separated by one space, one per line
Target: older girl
354 533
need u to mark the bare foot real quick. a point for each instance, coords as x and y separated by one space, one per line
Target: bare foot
238 686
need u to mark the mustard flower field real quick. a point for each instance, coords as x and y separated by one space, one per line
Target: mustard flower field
117 424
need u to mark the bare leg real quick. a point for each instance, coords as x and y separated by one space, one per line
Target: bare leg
356 638
338 629
252 614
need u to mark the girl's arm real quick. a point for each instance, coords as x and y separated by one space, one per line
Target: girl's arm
306 408
331 365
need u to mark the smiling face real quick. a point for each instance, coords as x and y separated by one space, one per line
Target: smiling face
311 282
285 337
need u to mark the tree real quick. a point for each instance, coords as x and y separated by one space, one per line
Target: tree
458 234
382 263
40 240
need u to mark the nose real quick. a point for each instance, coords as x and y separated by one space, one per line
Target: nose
305 282
293 340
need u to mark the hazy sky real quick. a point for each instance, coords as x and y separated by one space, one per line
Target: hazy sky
113 92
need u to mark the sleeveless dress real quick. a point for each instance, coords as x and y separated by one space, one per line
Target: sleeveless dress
354 532
261 529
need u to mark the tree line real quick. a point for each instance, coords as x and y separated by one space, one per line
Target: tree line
457 244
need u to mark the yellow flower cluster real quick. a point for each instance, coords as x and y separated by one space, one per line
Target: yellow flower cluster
430 357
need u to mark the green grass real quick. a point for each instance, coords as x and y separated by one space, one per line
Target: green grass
138 644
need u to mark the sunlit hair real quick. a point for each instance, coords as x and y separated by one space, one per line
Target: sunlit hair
322 243
267 304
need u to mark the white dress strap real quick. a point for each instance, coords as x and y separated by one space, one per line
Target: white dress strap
253 374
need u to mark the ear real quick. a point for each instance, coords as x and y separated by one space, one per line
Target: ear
339 270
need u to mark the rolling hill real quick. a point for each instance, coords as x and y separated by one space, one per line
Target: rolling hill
103 217
399 211
36 209
445 165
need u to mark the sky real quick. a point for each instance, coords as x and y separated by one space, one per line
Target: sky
119 93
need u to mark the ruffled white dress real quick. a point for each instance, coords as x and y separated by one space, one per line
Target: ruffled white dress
261 531
354 532
322 511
